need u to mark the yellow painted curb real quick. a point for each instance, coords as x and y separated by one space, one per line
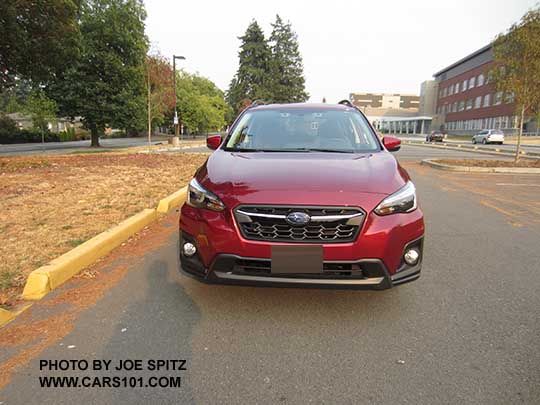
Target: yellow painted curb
174 200
45 279
7 316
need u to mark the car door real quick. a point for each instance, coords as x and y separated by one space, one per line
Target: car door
481 136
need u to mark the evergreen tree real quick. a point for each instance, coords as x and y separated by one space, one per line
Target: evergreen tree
252 79
286 67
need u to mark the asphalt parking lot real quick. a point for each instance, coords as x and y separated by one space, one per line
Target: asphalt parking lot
466 332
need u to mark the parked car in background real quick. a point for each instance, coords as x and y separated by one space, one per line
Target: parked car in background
302 195
435 136
489 136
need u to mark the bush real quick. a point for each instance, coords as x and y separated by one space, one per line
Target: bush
67 135
8 129
27 136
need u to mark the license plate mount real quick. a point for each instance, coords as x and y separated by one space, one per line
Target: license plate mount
297 259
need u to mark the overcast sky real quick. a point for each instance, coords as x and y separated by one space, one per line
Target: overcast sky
378 46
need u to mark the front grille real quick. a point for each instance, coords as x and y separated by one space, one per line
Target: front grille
326 224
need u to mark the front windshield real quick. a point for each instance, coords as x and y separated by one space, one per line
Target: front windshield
303 130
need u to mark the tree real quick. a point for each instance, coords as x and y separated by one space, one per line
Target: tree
159 90
42 110
12 99
105 86
38 39
201 105
286 66
252 77
517 66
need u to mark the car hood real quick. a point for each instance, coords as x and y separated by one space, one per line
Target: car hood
301 178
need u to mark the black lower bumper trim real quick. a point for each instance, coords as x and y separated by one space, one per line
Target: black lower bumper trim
236 270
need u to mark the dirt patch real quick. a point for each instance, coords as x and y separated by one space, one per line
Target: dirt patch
488 163
49 205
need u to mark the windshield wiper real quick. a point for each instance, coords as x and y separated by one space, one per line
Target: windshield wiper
323 150
290 150
264 150
244 150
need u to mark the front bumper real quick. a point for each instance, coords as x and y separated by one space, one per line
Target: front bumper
357 274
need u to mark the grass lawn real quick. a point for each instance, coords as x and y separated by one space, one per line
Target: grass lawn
48 205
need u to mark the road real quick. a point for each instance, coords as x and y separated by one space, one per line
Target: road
67 147
466 332
466 141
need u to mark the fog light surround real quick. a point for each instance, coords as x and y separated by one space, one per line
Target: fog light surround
189 249
411 257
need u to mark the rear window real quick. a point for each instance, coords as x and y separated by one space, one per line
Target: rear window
303 129
497 132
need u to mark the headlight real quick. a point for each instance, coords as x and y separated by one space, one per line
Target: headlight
199 197
403 200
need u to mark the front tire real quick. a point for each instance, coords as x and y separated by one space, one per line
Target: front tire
484 141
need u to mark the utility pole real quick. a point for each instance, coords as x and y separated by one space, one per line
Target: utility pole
176 123
149 105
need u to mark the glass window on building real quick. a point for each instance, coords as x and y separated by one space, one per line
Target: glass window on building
487 100
480 80
468 104
451 90
461 105
472 81
478 102
504 122
454 107
444 92
498 98
514 120
464 85
509 99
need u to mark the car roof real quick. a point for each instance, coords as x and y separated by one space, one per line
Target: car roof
303 106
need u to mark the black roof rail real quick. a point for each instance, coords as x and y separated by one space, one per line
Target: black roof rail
257 102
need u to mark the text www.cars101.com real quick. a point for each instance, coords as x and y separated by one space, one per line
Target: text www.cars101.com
109 382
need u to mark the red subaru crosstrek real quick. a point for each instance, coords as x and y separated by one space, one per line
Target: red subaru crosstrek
302 195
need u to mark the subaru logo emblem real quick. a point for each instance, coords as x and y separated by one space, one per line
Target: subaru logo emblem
298 218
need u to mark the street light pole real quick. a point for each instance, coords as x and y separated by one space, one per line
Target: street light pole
176 123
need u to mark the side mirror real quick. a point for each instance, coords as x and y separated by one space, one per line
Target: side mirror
213 142
391 143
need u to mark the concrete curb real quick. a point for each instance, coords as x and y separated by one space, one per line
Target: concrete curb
516 170
45 279
7 316
474 149
174 200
